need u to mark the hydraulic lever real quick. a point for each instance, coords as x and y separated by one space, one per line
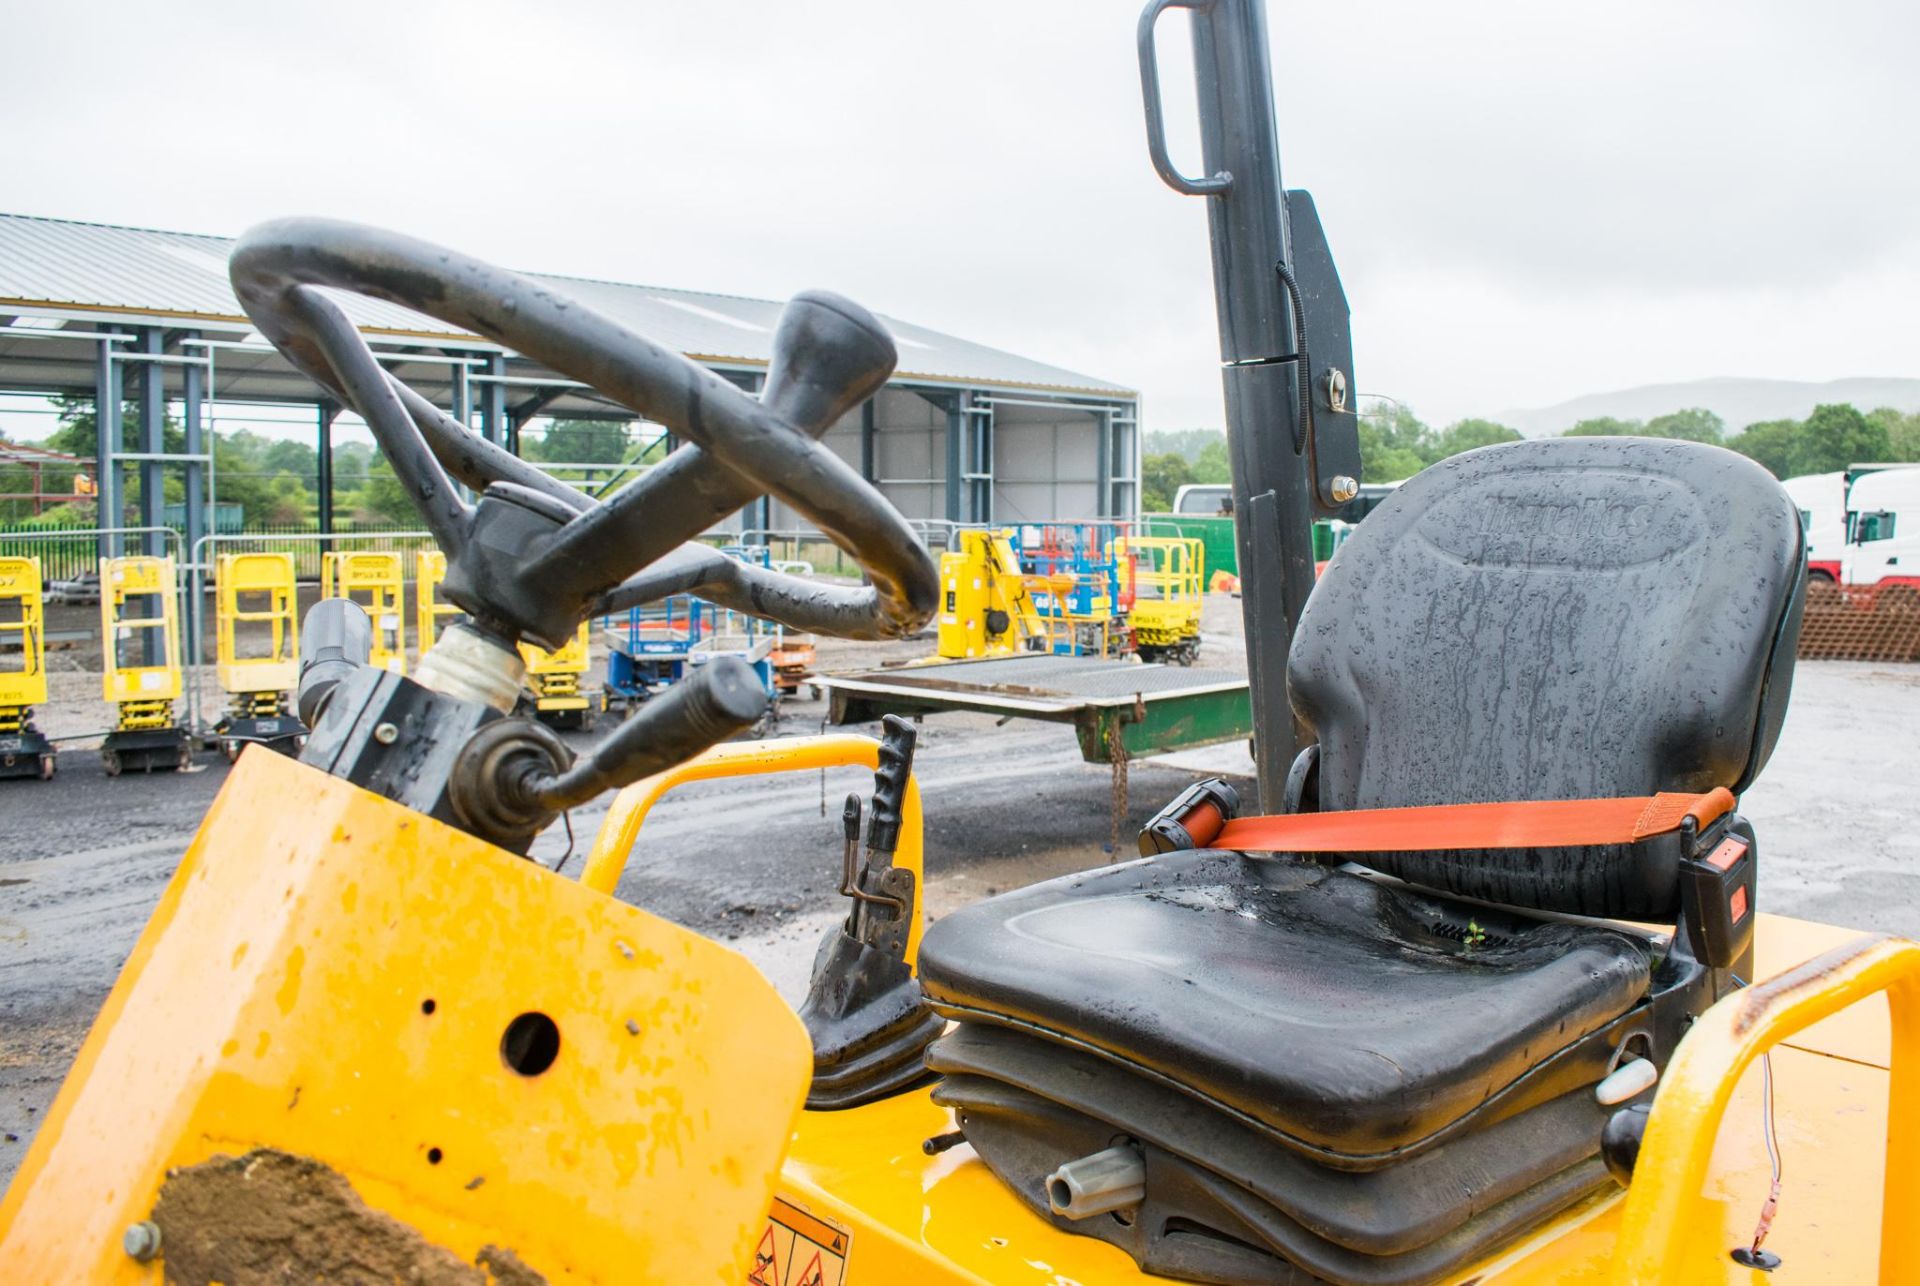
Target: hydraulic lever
864 1011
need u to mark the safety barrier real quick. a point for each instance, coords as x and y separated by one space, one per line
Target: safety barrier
1861 623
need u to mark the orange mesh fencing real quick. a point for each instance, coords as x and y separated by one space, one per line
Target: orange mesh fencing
1868 623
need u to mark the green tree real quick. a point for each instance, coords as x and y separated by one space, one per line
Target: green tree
381 498
1185 443
1465 435
1693 424
1393 442
1161 477
580 442
1605 426
1835 436
79 434
1771 443
1903 432
1211 465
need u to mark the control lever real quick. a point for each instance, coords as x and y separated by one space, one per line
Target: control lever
869 1022
879 883
513 776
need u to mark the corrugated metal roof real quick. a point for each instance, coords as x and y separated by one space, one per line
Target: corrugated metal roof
59 263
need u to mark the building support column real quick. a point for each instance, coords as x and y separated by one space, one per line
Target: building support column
109 505
323 481
153 442
493 402
196 525
956 430
1102 464
868 426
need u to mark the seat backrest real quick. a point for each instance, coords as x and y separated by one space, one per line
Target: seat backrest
1561 619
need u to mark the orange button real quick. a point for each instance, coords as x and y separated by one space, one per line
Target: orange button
1726 853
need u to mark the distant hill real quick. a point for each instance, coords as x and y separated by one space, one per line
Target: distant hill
1739 402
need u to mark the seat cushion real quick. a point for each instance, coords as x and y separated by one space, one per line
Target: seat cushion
1350 1018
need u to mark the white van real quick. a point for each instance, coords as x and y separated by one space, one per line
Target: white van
1821 499
1883 527
1207 498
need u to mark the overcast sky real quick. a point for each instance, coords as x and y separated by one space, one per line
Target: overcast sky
1528 201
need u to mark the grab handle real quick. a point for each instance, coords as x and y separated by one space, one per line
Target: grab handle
1214 185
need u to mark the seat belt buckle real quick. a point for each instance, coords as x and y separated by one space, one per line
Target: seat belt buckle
1717 897
1195 816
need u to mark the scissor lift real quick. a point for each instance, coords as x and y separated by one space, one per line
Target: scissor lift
429 569
257 591
1165 575
140 642
554 679
374 579
1074 582
24 749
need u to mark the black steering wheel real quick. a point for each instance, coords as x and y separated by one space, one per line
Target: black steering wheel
533 557
554 555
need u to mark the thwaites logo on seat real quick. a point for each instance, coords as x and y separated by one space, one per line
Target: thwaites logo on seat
799 1249
1592 518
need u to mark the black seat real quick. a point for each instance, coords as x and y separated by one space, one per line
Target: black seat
1348 1020
1285 1040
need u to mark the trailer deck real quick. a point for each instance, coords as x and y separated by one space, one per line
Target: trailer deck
1125 706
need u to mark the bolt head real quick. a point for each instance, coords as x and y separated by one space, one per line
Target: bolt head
1343 488
141 1240
385 733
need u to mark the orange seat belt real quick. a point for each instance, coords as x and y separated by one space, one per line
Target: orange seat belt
1548 823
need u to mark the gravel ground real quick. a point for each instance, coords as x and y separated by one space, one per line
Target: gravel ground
85 857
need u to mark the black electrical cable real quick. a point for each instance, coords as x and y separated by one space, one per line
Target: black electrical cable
1303 369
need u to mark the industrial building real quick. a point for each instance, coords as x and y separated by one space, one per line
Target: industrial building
963 433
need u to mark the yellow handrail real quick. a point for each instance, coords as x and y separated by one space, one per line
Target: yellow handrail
615 840
1665 1235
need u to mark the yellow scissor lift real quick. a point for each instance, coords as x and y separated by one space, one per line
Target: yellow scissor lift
375 579
256 592
140 646
1167 574
553 678
24 749
429 569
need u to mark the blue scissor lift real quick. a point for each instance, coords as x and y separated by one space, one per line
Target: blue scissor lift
652 647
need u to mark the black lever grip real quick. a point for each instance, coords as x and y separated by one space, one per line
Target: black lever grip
890 783
336 639
711 704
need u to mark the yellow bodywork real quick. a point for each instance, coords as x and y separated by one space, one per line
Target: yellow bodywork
612 847
144 693
1165 575
429 569
1696 1193
22 633
256 590
279 998
374 579
555 677
981 575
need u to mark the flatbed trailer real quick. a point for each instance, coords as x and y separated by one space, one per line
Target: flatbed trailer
1127 707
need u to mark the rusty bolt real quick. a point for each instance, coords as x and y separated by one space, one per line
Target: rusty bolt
141 1240
1343 488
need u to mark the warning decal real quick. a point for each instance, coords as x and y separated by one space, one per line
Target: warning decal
799 1249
